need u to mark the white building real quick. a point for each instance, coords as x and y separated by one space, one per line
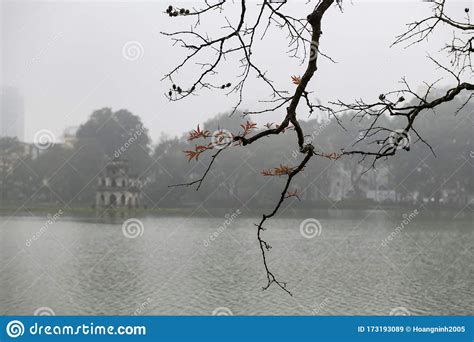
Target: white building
116 188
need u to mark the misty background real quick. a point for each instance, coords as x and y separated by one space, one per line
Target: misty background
66 60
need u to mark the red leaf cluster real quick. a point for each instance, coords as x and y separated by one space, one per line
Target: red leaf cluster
198 133
296 79
292 194
278 171
198 149
247 127
332 156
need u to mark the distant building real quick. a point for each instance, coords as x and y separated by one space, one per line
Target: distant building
12 114
378 188
69 136
31 151
339 184
116 188
382 195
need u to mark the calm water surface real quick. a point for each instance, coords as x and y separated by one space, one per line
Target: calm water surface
90 268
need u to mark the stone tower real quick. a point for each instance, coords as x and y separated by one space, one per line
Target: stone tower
116 188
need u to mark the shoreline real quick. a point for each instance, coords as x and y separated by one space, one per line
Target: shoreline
202 211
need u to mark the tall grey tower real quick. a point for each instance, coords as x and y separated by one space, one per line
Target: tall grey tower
12 113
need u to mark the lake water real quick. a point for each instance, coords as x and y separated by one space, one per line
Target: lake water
87 267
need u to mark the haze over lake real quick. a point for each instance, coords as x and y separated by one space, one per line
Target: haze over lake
173 267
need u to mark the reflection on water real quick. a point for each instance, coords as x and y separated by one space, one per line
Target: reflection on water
191 266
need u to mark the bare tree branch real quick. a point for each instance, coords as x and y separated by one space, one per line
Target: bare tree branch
303 36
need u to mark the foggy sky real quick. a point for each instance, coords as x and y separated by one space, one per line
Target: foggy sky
67 59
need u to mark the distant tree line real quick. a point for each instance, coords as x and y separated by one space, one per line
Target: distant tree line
66 175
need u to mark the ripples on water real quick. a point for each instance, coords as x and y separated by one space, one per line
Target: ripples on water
91 268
